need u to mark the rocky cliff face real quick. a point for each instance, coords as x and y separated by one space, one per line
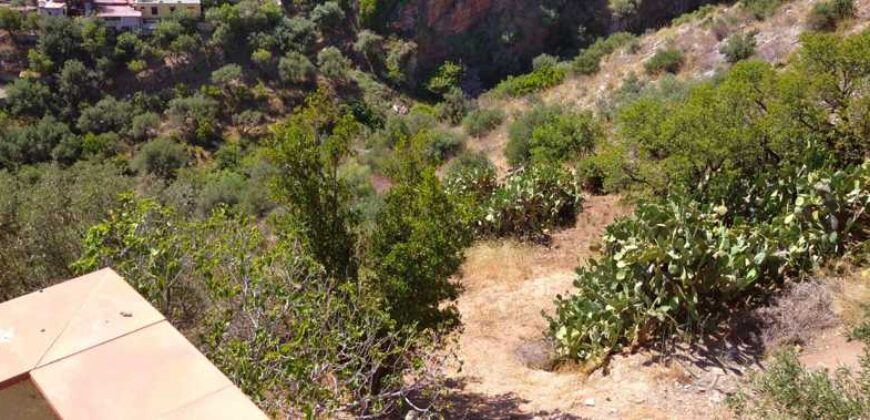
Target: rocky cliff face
499 37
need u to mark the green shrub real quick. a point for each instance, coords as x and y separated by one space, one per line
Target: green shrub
481 121
787 389
161 157
664 60
695 15
544 60
825 15
679 266
45 212
454 107
529 203
551 134
295 67
761 9
445 78
535 81
587 62
623 8
738 47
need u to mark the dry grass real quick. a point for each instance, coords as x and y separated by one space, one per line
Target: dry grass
851 292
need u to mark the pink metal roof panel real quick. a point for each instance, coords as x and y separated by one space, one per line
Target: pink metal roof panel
118 11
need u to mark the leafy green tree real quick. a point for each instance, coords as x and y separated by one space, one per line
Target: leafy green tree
552 134
109 114
28 97
307 150
11 22
60 39
328 16
77 86
37 143
417 246
161 157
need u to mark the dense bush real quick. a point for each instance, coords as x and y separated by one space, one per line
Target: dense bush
535 81
664 60
161 157
587 62
678 265
45 211
296 68
786 388
738 47
481 121
825 15
551 134
529 202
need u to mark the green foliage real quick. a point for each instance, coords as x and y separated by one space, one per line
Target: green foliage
328 15
195 117
44 213
161 157
623 8
788 389
308 150
454 107
400 60
761 9
763 180
109 114
263 311
39 142
144 126
664 60
825 15
738 46
698 14
417 246
333 64
445 78
371 46
535 81
678 265
27 97
529 202
544 60
587 62
295 67
551 134
481 121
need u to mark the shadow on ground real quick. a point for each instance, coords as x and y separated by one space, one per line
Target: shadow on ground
470 405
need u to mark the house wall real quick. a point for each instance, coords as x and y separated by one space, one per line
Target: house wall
165 9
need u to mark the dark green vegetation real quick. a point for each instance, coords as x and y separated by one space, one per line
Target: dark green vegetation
751 179
826 15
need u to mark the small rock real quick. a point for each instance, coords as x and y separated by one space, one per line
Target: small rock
589 402
126 314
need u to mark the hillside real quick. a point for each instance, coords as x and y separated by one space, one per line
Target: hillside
461 208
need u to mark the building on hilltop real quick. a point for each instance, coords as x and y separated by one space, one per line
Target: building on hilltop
125 15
